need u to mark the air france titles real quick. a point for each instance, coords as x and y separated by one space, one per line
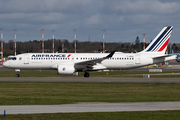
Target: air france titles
48 55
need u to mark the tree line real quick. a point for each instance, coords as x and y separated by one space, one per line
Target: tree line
35 46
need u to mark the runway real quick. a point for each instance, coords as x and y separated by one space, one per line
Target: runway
90 107
90 79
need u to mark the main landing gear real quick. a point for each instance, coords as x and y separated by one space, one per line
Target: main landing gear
17 75
17 70
86 74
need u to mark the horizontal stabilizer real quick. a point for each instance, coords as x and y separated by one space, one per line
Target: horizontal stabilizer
163 56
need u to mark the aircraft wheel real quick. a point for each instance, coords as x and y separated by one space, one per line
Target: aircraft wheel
17 75
86 74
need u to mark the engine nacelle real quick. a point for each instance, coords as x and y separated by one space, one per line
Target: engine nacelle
178 58
65 69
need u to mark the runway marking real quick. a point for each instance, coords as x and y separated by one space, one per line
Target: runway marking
90 107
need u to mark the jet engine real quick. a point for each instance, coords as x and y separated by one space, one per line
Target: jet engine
64 69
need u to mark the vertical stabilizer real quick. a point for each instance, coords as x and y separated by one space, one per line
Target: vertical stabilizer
160 42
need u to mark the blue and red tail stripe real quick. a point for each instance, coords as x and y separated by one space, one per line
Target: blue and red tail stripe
162 41
164 45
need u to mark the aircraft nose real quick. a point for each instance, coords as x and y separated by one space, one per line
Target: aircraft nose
6 64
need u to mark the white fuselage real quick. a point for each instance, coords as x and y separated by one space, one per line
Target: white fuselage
51 60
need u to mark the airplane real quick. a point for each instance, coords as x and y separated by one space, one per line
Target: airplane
71 63
177 54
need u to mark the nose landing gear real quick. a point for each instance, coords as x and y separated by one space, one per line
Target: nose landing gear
17 70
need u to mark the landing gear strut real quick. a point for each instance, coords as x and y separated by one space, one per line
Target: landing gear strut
86 74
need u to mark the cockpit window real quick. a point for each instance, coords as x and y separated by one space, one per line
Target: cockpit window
11 58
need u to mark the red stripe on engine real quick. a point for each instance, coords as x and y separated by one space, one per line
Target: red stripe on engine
165 44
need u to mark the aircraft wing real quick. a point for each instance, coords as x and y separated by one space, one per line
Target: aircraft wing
90 63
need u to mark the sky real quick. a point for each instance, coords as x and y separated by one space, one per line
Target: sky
122 20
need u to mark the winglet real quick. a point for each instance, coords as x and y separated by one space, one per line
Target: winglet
110 54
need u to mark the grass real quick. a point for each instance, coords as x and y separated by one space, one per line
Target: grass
150 115
61 93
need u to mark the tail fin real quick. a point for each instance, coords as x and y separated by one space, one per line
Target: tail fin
171 50
160 42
